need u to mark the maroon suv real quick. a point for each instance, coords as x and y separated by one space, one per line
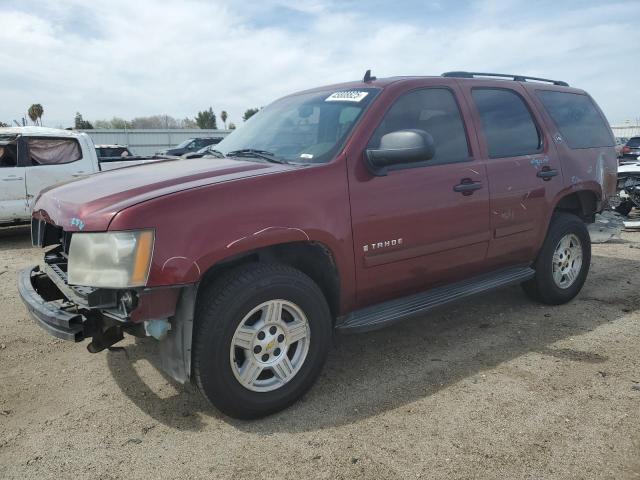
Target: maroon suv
346 207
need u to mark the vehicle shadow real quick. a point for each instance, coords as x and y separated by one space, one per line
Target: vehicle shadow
15 237
371 373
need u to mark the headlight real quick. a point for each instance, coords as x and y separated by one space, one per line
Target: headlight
110 260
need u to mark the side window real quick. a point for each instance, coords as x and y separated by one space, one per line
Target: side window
53 151
577 118
506 123
435 111
8 153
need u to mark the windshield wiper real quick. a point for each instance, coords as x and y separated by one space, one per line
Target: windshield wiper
217 153
252 152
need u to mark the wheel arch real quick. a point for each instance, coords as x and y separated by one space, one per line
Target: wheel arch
312 258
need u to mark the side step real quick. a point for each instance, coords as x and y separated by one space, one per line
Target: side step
383 314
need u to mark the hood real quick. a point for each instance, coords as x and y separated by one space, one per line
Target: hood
90 203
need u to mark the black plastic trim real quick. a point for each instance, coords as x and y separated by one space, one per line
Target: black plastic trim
384 314
55 320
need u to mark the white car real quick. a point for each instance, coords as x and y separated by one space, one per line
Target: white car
33 158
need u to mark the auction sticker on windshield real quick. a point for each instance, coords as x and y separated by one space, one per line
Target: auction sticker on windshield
347 96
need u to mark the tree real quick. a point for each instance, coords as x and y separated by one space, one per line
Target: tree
35 113
206 119
250 113
81 123
189 123
232 126
223 117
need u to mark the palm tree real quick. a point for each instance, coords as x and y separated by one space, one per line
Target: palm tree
35 113
223 117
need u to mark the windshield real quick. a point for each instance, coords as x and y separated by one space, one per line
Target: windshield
184 143
305 128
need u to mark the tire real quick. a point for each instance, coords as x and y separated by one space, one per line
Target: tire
545 287
624 208
238 310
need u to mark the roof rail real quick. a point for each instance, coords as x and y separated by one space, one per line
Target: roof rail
517 78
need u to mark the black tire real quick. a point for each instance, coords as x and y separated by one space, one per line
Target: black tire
624 208
543 287
221 307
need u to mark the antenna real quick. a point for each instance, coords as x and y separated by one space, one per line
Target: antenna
367 77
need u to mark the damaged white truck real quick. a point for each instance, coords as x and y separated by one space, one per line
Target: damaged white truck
629 189
34 158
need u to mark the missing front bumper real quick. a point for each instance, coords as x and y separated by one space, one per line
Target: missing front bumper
45 302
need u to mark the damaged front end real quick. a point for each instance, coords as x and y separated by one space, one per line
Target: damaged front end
105 314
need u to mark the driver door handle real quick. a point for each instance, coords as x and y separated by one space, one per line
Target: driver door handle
467 186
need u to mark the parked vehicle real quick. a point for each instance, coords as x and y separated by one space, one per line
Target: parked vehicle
113 151
629 186
190 145
347 207
33 158
631 150
620 143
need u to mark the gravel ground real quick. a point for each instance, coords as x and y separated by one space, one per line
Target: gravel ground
498 387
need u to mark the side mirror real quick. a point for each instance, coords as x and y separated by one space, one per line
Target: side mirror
400 148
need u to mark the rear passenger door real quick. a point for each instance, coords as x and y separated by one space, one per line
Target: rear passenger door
522 167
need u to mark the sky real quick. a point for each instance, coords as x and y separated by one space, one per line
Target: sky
131 58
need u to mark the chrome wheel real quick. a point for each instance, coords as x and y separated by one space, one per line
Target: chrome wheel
567 261
270 345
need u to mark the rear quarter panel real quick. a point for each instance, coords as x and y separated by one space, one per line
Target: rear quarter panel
585 169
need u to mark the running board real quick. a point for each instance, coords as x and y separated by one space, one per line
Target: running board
384 314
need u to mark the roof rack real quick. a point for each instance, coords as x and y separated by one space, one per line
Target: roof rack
517 78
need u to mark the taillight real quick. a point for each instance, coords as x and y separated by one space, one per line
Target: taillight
625 149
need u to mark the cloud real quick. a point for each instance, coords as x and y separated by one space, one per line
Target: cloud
132 58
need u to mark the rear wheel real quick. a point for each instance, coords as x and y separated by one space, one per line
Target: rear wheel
262 336
563 262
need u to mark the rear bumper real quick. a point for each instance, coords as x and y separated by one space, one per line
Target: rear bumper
40 296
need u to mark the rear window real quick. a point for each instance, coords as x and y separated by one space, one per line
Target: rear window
634 142
577 118
53 151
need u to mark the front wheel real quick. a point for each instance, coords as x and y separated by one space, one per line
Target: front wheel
563 261
262 335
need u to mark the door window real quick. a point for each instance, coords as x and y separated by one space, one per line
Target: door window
435 111
8 152
506 122
52 151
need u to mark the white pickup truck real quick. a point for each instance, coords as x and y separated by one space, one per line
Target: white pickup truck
33 158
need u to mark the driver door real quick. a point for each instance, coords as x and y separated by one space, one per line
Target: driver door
412 229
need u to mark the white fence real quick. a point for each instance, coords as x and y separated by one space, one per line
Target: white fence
148 142
626 131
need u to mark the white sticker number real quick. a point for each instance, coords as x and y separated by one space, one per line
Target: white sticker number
347 96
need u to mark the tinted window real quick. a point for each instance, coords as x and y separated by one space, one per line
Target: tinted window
577 118
506 122
634 142
435 111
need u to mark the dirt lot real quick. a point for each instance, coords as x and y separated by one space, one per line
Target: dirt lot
498 387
